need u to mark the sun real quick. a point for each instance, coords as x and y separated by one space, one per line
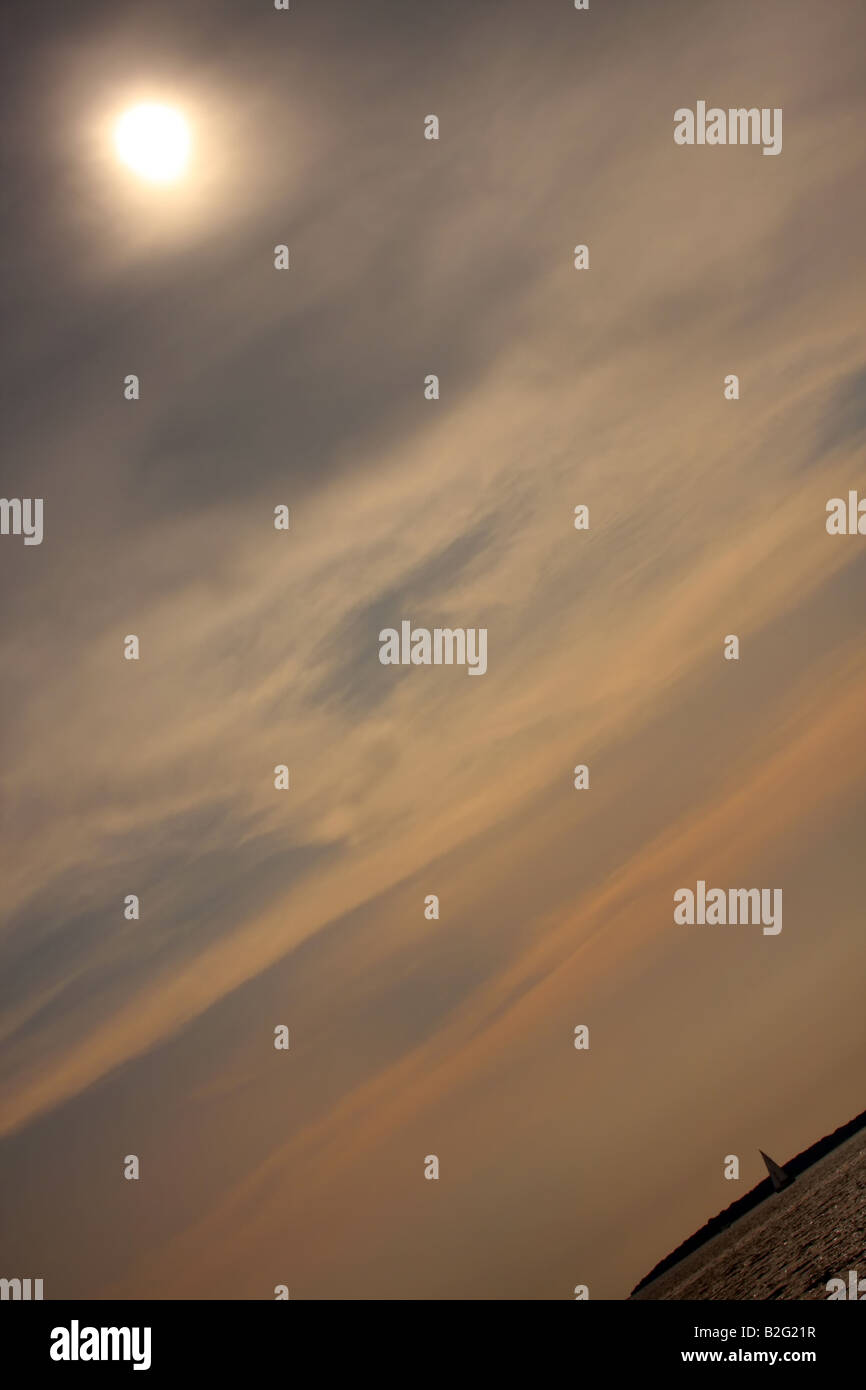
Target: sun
154 142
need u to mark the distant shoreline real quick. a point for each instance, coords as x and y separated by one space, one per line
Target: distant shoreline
753 1198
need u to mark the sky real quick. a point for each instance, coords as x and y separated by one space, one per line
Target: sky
412 1037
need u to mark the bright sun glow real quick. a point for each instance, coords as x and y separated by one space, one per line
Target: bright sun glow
154 141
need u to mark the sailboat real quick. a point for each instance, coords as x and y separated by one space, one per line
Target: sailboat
778 1176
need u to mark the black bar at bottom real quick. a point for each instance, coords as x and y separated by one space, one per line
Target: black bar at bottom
309 1338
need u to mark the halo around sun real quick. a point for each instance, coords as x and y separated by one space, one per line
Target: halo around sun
154 142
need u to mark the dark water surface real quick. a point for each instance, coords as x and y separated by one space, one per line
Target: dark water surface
790 1245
